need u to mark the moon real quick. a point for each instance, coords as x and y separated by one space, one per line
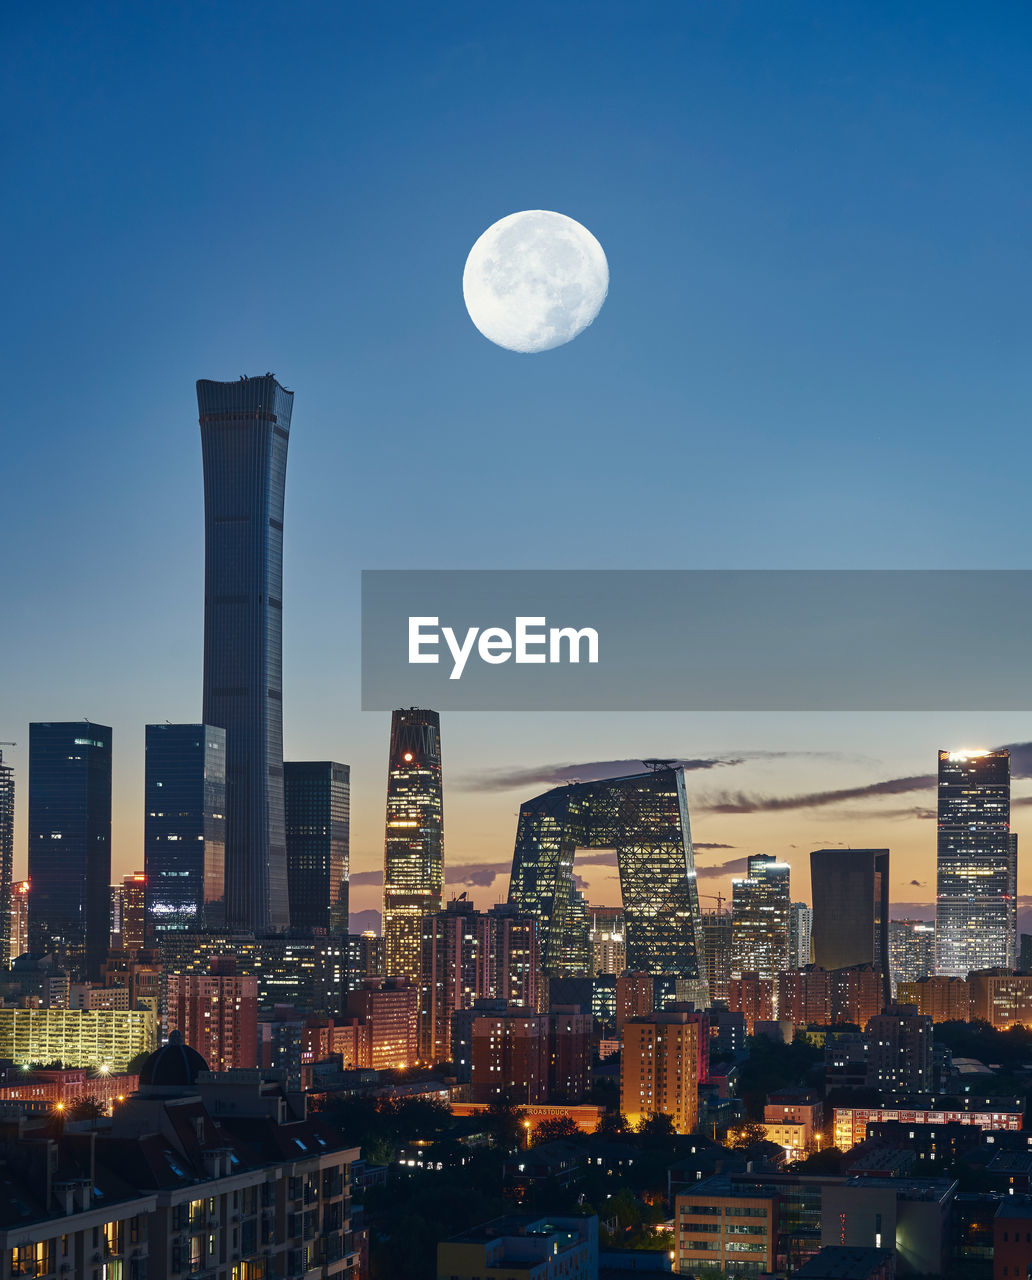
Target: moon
535 280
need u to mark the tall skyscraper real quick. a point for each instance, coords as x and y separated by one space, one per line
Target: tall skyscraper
413 878
131 899
800 924
6 859
318 812
184 829
759 918
70 842
245 427
976 871
850 891
716 942
19 918
911 951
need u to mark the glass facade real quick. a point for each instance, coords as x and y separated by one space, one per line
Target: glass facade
759 918
245 427
70 842
184 830
644 817
976 882
6 859
317 801
413 880
850 889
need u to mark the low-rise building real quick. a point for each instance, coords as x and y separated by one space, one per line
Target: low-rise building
850 1123
909 1215
197 1174
520 1245
724 1227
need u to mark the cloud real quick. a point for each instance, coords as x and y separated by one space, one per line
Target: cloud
555 775
734 867
918 884
701 844
746 802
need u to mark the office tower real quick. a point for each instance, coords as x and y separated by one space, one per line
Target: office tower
911 951
850 891
19 919
70 842
608 952
448 974
307 972
510 1052
216 1013
645 818
800 924
127 914
751 995
976 867
365 958
245 427
716 943
318 824
413 877
941 999
804 996
184 829
6 860
390 1006
659 1069
759 918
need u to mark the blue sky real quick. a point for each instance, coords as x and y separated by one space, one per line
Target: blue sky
814 351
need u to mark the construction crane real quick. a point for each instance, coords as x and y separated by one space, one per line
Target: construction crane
718 898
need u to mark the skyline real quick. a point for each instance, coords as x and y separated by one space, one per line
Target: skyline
815 226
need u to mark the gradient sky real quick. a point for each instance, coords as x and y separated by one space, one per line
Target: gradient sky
814 354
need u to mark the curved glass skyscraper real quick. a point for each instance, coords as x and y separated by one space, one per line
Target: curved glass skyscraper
245 427
644 817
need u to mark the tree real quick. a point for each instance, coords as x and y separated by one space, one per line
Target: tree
744 1136
553 1129
612 1124
85 1108
506 1122
656 1125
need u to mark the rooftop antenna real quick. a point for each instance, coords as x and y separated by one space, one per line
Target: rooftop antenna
656 765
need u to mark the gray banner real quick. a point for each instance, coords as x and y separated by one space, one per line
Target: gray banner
697 640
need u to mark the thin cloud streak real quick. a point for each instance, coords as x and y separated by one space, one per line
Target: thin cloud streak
557 775
744 802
